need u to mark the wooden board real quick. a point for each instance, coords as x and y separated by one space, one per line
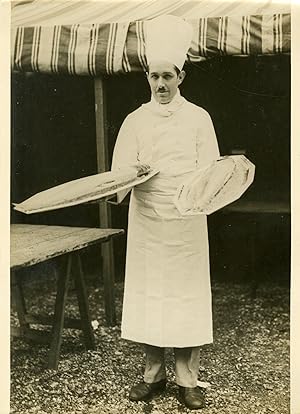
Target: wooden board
31 244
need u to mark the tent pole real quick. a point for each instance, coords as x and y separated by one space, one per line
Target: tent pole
104 208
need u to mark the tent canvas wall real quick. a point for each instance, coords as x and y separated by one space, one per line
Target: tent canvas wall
97 39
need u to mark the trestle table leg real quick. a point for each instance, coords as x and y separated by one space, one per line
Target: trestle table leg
63 278
18 295
82 297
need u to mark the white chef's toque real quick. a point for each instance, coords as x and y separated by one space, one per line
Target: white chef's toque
168 39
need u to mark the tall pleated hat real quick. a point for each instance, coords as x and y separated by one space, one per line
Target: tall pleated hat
168 38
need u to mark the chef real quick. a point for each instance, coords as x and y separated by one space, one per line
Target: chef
167 297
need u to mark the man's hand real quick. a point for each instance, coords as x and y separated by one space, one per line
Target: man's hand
142 169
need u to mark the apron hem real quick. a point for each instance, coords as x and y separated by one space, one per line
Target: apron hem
167 345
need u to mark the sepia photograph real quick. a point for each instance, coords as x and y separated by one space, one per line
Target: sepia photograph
150 207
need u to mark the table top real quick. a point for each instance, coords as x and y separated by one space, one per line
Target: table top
258 206
32 244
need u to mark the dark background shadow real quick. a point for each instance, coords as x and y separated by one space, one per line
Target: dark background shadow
248 98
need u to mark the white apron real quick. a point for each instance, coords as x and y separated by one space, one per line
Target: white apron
167 297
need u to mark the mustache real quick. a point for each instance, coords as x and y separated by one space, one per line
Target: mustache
161 90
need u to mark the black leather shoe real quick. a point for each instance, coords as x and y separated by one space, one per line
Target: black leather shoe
193 398
144 390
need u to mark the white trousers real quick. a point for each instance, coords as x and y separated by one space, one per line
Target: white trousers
187 362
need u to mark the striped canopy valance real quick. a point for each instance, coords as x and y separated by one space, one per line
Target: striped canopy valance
93 49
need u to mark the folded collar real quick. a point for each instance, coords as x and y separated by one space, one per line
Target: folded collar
166 109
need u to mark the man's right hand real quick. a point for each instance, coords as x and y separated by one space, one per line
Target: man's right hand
142 169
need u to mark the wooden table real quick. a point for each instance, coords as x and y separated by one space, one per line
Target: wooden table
32 244
258 206
255 212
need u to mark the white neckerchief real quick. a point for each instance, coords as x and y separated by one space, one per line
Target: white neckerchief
166 109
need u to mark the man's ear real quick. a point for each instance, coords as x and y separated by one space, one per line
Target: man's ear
181 76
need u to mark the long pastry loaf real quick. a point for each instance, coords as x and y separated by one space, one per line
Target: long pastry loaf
83 190
211 188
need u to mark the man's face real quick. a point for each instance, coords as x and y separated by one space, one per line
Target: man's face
164 80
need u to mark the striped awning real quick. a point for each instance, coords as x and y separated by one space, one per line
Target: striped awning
64 12
93 47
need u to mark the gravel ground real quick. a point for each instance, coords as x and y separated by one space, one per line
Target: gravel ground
247 366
